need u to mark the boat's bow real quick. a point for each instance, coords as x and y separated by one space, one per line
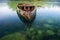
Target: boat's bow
27 11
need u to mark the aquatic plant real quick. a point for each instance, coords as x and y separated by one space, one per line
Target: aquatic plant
32 34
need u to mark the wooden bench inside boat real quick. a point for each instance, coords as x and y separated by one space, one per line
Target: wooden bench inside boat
26 7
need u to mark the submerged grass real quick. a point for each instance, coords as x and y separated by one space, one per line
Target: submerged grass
32 34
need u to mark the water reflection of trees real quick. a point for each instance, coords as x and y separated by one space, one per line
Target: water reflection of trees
20 0
12 4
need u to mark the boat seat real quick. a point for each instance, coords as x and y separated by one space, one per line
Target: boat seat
26 7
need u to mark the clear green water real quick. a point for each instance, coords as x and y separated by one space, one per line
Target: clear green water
47 18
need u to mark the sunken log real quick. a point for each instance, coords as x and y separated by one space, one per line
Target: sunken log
26 11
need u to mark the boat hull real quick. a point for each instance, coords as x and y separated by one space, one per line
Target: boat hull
26 16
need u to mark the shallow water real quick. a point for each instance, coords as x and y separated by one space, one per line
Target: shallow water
47 17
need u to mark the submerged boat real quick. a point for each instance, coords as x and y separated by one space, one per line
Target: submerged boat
26 12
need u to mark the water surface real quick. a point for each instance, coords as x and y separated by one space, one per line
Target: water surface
47 18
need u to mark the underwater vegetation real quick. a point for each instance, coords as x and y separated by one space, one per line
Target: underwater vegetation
33 34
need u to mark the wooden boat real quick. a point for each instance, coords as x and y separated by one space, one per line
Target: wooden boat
26 11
